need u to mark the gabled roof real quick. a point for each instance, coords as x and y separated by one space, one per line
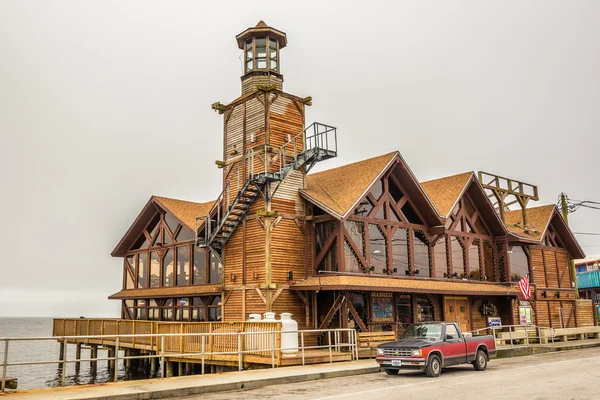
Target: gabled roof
338 189
445 192
538 220
184 211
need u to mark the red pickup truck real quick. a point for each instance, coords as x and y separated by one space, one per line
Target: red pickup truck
431 346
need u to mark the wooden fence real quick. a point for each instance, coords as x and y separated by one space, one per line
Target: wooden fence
256 347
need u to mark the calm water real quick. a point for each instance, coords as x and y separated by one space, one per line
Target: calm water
39 376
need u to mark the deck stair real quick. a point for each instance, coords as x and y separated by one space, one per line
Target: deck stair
260 165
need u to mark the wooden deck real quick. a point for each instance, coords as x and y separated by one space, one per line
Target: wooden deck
255 347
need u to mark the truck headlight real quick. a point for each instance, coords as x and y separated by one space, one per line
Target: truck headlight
417 353
379 352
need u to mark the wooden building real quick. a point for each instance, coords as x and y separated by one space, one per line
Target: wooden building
364 245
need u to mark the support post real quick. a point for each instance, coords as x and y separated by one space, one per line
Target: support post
111 362
565 214
78 357
116 359
64 363
203 347
93 356
152 367
4 365
169 369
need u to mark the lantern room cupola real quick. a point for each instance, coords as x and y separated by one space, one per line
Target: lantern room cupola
261 46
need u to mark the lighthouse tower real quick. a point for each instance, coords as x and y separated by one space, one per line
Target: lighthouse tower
257 226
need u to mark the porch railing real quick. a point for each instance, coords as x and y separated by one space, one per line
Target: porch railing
512 333
264 346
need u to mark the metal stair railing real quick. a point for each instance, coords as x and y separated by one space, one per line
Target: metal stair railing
258 163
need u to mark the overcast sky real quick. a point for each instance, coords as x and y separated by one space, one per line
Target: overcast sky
104 103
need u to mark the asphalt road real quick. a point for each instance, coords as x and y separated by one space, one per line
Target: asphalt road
562 375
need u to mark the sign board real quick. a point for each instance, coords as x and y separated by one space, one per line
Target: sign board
494 322
525 315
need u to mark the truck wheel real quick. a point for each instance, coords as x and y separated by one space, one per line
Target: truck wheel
480 362
434 366
391 371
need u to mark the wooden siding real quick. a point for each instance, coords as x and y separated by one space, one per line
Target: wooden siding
255 251
288 253
537 267
288 301
233 308
585 313
233 256
234 132
250 83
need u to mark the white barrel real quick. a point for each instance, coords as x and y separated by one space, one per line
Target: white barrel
253 341
269 317
289 337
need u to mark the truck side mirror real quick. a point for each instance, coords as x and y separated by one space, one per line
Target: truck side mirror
449 337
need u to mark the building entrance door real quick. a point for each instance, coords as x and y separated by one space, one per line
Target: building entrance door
456 309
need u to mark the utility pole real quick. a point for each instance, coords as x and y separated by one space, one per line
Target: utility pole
565 214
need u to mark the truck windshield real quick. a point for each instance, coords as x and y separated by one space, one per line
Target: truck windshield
421 331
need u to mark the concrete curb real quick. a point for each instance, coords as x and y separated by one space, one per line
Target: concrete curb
185 386
537 349
250 384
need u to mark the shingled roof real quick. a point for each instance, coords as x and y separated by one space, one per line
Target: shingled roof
538 219
338 189
185 211
445 192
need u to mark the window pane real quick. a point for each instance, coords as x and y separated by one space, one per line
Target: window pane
183 266
185 234
518 263
272 43
249 65
171 222
421 258
352 263
141 242
474 270
378 249
356 229
154 269
199 265
377 189
395 192
322 232
424 310
441 262
142 270
404 309
358 302
128 280
168 269
216 269
458 260
198 314
410 214
154 226
273 64
364 208
261 47
400 252
261 63
329 262
488 262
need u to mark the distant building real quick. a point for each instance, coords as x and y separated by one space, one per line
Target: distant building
364 245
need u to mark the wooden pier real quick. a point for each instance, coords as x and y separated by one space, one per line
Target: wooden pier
256 348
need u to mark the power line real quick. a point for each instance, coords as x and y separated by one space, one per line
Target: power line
587 233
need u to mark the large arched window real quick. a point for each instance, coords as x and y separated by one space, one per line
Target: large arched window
519 264
458 257
441 260
421 254
378 249
400 252
474 261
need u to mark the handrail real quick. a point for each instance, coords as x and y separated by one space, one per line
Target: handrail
242 341
523 328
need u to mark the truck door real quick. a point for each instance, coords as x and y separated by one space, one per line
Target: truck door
454 347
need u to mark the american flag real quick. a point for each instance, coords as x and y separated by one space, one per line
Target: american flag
524 287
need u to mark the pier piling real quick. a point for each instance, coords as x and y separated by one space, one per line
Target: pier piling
94 355
78 357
